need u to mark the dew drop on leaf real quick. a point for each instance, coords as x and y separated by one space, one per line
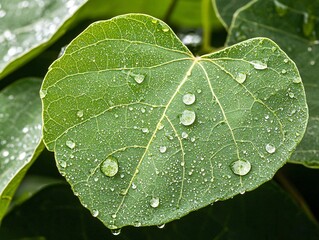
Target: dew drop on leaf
184 135
110 166
43 93
116 232
62 163
240 77
187 118
297 80
139 78
154 202
79 113
162 149
189 98
270 148
241 167
70 144
258 65
95 213
161 226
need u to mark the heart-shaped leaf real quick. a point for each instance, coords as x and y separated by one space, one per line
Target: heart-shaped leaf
145 132
20 135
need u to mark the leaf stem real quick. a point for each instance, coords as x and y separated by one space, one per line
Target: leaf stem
206 24
292 190
170 10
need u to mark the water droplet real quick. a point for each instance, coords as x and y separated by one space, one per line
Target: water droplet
187 118
270 148
308 24
240 167
95 213
110 166
139 78
291 94
162 149
312 62
22 156
297 80
70 144
240 77
154 20
286 60
62 163
134 186
283 71
189 98
165 29
2 13
25 130
5 153
161 226
160 126
258 65
116 232
281 9
79 113
43 93
154 202
184 135
145 130
113 215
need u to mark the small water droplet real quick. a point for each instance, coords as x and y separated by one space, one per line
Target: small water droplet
162 149
291 94
160 126
79 113
116 232
154 20
240 77
286 60
110 166
145 130
281 9
309 49
189 98
154 202
43 93
312 62
283 71
270 148
297 80
134 186
161 226
113 215
240 167
139 78
184 135
258 65
143 110
62 163
187 118
95 213
25 130
70 144
165 29
22 156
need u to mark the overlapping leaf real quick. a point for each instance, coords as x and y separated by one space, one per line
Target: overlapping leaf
294 25
20 135
145 132
27 27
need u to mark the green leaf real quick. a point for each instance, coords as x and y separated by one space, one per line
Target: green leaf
287 22
145 132
28 27
20 135
225 10
232 220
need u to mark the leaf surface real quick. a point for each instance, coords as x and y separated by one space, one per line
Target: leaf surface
294 25
145 132
20 134
27 27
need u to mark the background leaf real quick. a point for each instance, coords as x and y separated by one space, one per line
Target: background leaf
28 27
20 134
234 219
127 109
294 25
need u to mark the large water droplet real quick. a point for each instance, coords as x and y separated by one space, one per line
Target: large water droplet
110 166
281 9
270 148
240 167
240 77
43 93
154 202
116 232
70 144
139 78
95 213
258 65
189 98
187 118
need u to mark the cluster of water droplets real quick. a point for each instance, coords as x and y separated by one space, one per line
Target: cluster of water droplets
188 117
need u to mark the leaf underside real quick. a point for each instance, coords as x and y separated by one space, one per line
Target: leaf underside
183 131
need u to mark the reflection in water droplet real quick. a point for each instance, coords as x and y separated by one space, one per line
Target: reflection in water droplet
270 148
79 113
70 144
281 9
187 118
240 77
43 93
258 65
189 98
240 167
154 202
110 166
162 149
116 232
95 213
